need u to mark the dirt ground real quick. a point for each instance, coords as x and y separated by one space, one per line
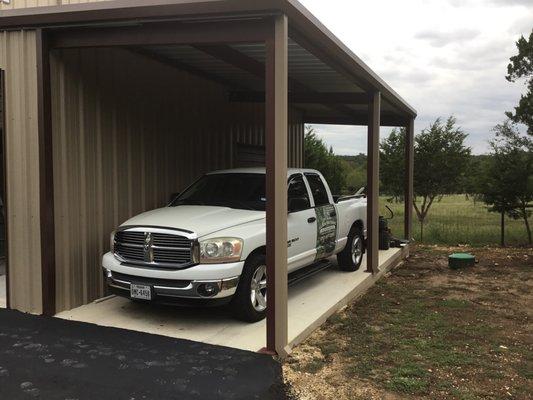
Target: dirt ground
428 332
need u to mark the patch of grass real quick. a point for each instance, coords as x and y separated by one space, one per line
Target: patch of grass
410 370
458 220
462 395
525 368
455 303
409 385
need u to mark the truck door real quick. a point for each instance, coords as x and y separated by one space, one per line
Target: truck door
326 215
301 227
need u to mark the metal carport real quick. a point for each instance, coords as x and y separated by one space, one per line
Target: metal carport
266 54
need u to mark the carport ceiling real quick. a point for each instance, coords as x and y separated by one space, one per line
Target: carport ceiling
315 88
327 81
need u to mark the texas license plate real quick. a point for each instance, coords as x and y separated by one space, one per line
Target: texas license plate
142 292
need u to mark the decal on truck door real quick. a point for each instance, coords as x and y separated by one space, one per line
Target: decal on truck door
326 217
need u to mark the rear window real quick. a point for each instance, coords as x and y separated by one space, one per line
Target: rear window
320 194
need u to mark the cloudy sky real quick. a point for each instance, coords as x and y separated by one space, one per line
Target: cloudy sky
445 57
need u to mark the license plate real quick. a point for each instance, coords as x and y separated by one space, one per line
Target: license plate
142 292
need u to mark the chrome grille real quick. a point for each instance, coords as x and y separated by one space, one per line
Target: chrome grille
153 248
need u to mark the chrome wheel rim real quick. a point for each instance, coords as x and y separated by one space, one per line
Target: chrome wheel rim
258 289
357 250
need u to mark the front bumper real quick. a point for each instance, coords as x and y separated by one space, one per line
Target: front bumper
201 282
211 289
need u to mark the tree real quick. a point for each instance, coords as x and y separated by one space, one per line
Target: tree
521 66
356 172
441 160
472 182
508 184
317 156
392 163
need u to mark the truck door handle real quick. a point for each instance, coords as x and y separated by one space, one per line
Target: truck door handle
311 220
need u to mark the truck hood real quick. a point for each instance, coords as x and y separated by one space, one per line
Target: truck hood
202 220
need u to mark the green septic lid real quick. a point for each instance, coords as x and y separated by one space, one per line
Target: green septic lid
459 260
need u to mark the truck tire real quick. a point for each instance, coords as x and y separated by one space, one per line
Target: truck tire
249 301
351 257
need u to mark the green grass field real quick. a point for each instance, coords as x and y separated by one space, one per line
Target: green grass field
456 220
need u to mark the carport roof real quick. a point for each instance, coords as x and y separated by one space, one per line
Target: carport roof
320 65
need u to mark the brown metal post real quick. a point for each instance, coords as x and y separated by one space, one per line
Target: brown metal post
46 175
276 184
409 178
372 250
4 177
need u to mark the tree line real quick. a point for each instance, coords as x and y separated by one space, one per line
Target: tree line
502 179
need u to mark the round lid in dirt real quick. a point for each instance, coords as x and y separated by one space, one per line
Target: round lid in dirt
461 260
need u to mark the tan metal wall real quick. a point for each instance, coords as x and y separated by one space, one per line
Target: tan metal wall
18 59
41 3
128 132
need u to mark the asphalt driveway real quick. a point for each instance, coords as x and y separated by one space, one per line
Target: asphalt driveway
49 358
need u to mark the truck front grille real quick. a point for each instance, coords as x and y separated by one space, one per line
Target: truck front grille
154 249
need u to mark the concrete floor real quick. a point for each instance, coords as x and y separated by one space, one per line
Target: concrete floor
311 302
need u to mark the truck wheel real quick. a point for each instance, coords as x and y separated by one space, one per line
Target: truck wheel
351 257
250 301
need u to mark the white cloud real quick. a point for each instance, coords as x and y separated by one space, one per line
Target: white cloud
444 38
445 57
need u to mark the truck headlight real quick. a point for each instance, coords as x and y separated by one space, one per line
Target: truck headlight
112 242
220 250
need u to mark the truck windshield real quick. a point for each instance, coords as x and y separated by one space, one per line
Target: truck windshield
240 191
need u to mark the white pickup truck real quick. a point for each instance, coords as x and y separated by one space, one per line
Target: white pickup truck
208 245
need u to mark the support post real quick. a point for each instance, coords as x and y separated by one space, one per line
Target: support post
409 178
46 175
276 185
372 220
3 93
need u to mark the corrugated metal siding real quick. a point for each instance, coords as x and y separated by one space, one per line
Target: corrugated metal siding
124 140
18 59
41 3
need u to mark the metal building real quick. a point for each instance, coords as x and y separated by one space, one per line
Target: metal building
111 106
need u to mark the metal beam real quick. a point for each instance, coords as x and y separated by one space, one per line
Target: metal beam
163 33
276 86
304 98
46 175
234 57
185 67
409 178
357 119
372 220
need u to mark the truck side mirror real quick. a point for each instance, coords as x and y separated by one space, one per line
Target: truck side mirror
298 204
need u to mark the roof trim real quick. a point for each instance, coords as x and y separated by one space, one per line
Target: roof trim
300 20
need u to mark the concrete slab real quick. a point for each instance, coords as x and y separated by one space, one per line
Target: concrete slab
311 302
